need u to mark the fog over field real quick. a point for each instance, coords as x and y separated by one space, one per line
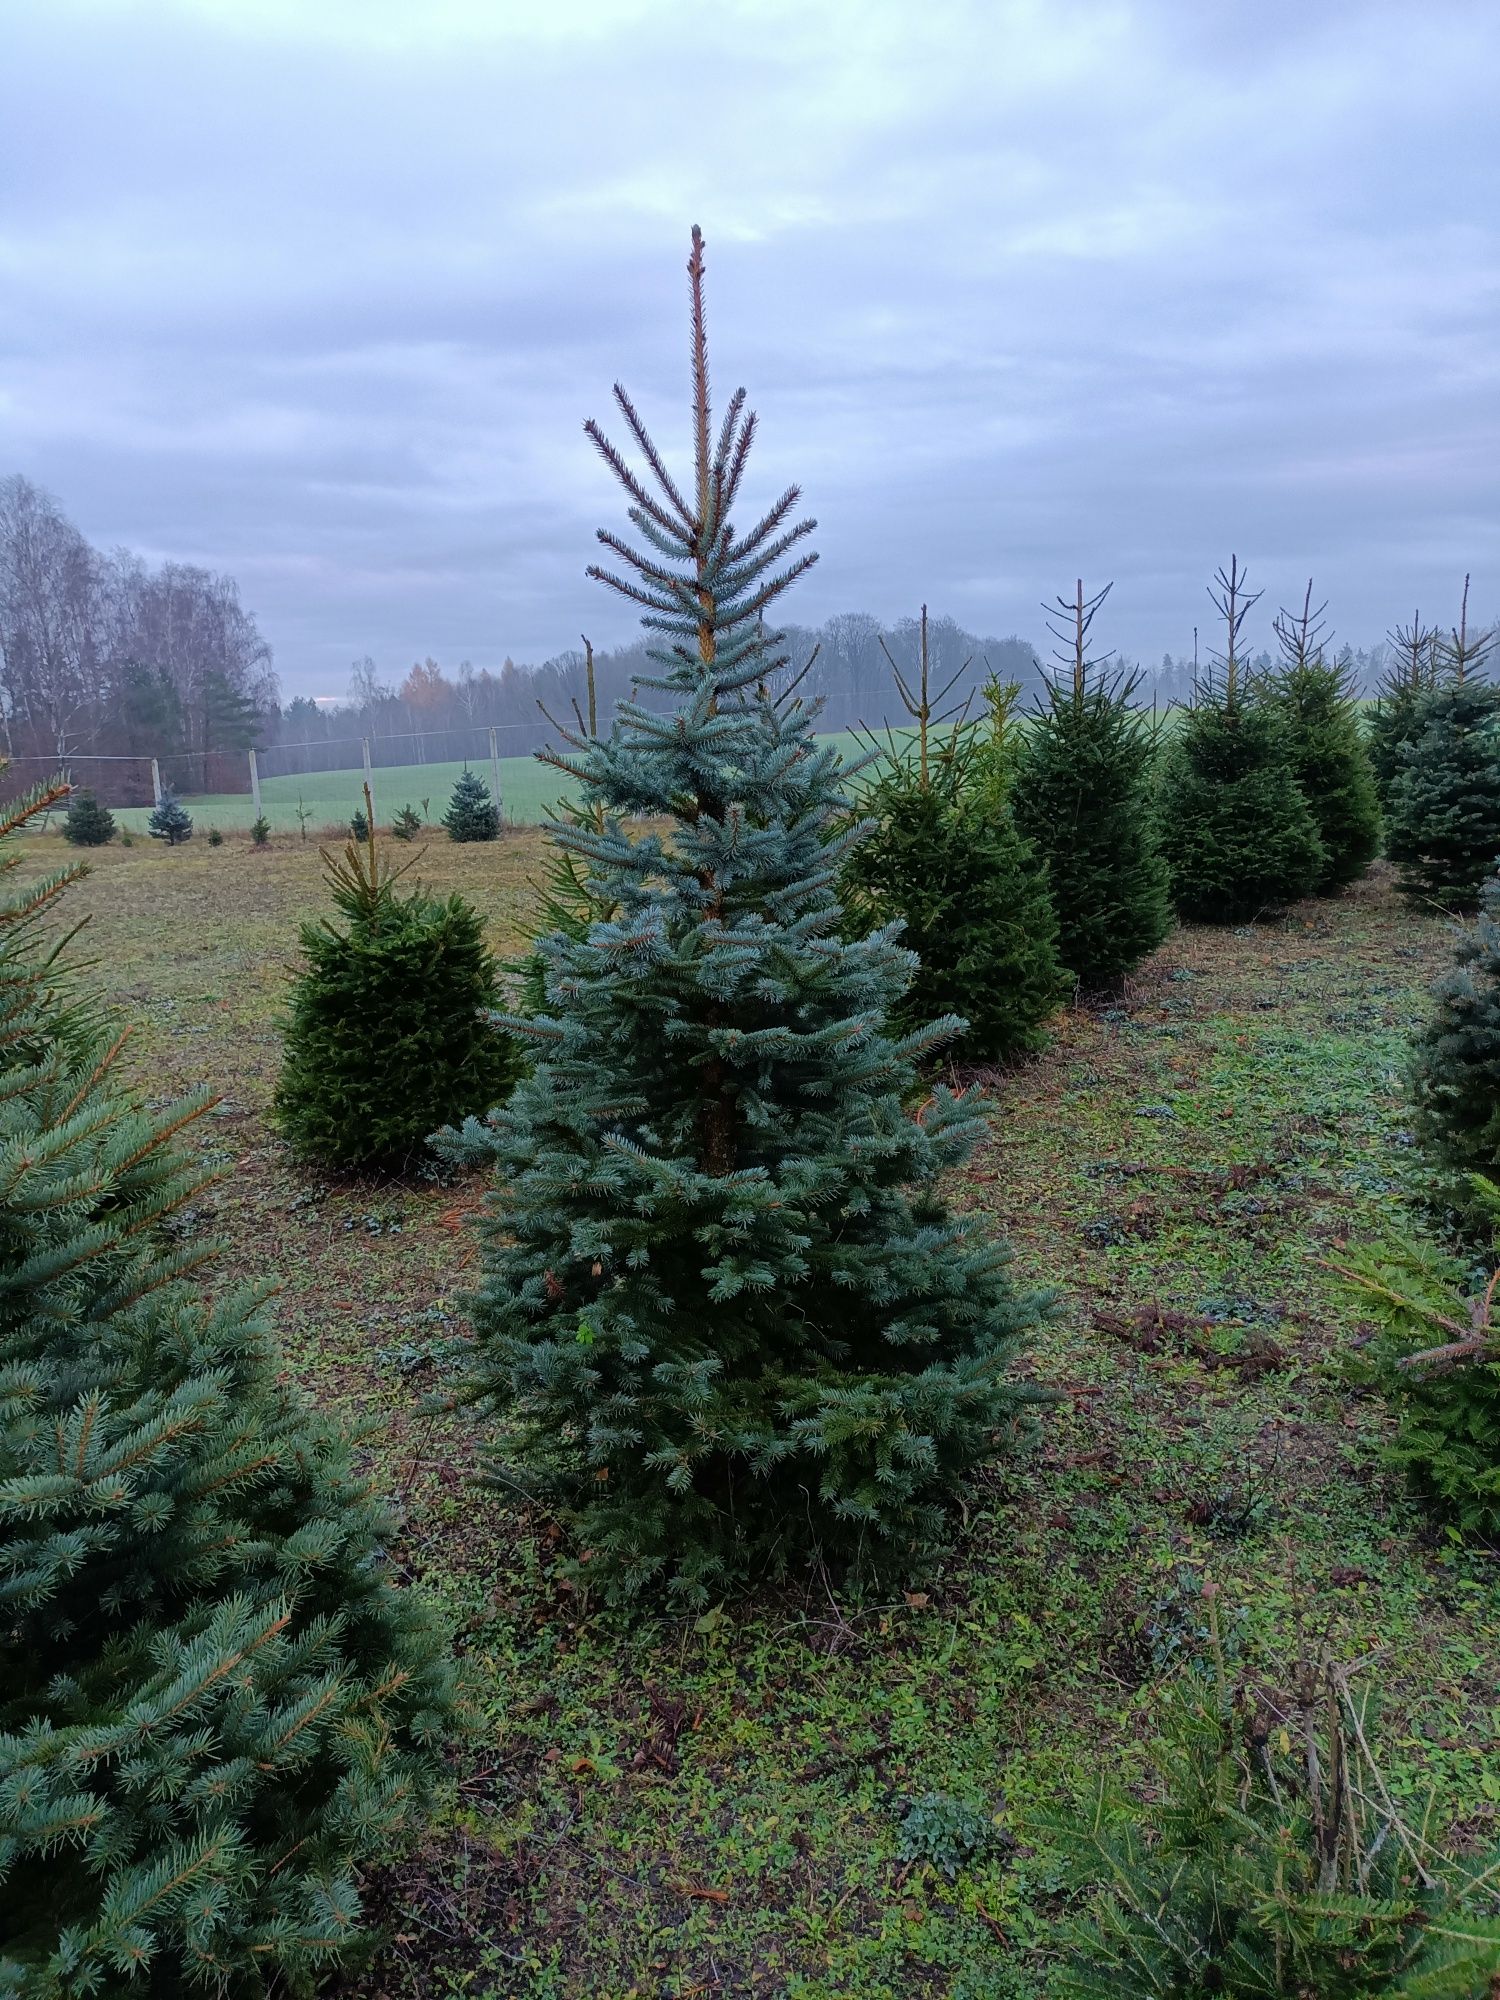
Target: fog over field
319 297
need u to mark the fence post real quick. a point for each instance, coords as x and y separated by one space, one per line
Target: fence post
364 744
255 784
155 782
495 773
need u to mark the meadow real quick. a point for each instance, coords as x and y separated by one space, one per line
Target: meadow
528 790
715 1804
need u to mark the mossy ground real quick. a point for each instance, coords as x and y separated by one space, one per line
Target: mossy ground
713 1806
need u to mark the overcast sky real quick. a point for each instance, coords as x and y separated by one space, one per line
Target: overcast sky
320 294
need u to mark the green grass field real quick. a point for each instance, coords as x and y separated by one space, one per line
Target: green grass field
527 789
670 1807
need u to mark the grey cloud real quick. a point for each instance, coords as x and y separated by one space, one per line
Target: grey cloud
323 296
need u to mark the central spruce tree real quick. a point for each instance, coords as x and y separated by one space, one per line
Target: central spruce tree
1082 797
727 1317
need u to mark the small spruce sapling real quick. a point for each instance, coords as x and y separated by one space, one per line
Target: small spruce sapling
471 813
1444 815
406 825
390 1032
1235 830
727 1317
170 821
87 823
260 831
1082 797
1314 699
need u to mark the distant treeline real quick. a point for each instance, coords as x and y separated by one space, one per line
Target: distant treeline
102 656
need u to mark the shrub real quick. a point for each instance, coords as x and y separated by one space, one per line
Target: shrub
170 821
215 1704
406 825
727 1319
359 825
215 838
1264 1864
260 831
1314 700
1083 800
389 1034
471 815
87 823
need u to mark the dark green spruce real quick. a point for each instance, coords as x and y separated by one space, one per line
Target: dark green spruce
87 823
1444 817
944 859
389 1033
1313 697
1082 799
1410 676
1236 831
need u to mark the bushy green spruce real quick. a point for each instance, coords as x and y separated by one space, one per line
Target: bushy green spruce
1265 1866
359 825
406 825
86 823
215 1704
389 1033
471 813
1455 1071
170 820
1438 1361
944 859
1412 674
1444 820
1314 699
1236 832
260 831
726 1316
1082 799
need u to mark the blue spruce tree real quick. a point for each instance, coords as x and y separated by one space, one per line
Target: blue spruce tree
726 1315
